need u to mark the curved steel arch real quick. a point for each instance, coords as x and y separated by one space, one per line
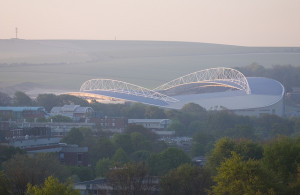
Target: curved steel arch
225 76
123 87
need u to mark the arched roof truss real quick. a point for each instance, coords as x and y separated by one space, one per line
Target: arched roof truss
123 87
224 76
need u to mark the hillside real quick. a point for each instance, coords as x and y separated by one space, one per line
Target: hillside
65 64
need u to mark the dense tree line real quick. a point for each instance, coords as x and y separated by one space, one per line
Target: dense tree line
48 101
137 144
288 75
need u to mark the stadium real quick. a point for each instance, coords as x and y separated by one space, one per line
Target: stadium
213 89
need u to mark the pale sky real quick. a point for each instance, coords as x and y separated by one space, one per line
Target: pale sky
235 22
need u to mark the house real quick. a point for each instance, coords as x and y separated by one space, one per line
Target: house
75 112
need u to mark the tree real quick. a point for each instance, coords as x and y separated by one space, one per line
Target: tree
193 108
221 151
282 156
294 186
186 179
140 155
139 142
102 167
7 153
296 128
21 99
99 148
135 110
178 127
219 122
225 146
197 126
123 141
120 157
240 131
5 184
113 110
74 136
70 99
52 186
131 128
248 149
22 169
5 100
131 179
272 125
48 101
83 173
202 143
236 176
282 128
154 112
160 164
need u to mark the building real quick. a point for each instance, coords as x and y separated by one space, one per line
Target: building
74 156
75 112
95 187
155 124
116 124
33 144
150 185
20 113
213 89
57 129
4 130
70 155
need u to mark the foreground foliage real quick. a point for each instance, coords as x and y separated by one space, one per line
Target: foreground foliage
52 186
187 179
236 176
131 179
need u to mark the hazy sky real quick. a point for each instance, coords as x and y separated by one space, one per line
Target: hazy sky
236 22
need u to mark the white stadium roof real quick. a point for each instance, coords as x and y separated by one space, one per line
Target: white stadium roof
238 92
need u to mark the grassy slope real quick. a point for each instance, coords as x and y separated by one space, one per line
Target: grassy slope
66 64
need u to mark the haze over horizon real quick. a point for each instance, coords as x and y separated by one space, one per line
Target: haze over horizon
247 23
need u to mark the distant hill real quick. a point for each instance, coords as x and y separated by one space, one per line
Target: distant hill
66 64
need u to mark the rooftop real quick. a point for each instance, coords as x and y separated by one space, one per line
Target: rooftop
20 109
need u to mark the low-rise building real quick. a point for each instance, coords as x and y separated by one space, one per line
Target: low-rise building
76 112
57 129
150 185
110 123
70 155
73 155
155 124
20 113
33 144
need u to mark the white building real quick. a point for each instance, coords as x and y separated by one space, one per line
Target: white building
157 124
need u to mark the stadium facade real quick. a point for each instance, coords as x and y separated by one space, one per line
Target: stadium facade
213 89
